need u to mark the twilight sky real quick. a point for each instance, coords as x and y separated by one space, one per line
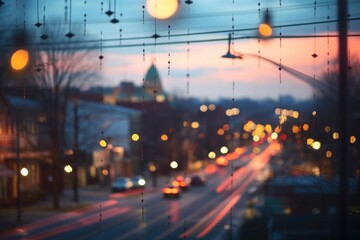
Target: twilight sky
129 49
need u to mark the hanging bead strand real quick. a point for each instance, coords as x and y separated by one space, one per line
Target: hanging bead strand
314 55
44 36
280 46
258 40
143 22
37 24
101 57
85 15
169 51
70 34
109 12
66 12
114 20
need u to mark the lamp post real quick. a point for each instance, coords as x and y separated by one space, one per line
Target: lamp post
18 174
311 81
344 228
76 150
19 61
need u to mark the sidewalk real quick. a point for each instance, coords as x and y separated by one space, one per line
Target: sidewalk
87 196
42 209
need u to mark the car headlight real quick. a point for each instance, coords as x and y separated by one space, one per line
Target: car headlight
141 182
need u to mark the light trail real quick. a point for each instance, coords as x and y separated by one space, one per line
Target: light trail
93 218
56 219
220 216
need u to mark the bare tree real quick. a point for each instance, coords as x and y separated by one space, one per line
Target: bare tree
58 74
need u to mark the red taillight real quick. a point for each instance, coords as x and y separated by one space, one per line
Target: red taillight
222 161
179 178
182 184
167 190
175 183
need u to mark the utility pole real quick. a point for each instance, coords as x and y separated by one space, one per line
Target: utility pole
18 185
343 208
76 150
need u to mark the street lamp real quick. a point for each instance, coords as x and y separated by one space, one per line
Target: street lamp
174 164
24 171
311 81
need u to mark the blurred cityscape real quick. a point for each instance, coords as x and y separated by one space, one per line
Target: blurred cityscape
127 130
242 168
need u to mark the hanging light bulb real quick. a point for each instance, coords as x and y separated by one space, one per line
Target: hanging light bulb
20 57
265 29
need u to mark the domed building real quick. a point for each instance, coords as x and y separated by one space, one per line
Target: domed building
152 82
130 95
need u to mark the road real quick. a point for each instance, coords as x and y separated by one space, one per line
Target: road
204 212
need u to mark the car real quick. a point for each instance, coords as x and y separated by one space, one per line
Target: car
221 161
181 182
138 181
171 191
198 180
121 184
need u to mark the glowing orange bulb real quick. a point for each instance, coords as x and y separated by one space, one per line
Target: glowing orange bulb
19 59
265 30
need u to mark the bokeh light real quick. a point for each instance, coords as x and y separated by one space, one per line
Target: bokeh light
19 59
102 143
135 137
174 164
265 30
24 171
162 9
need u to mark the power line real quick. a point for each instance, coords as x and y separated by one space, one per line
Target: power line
71 44
192 41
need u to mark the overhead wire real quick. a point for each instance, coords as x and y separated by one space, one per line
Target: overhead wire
81 44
